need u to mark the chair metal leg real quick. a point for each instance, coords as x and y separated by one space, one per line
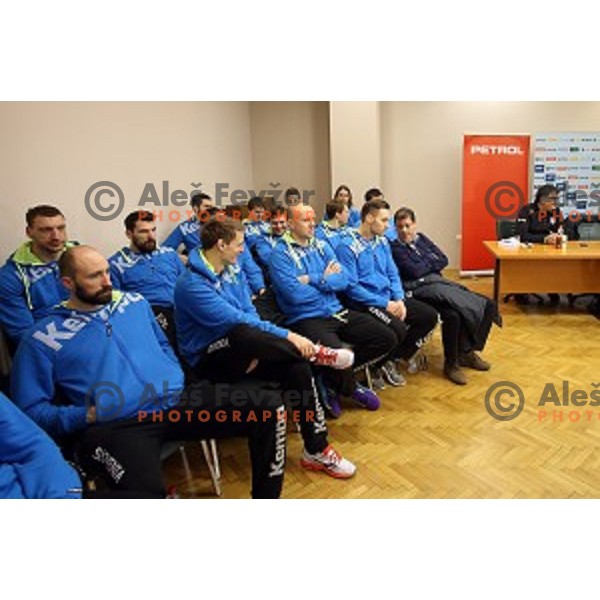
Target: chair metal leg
186 468
368 377
215 456
214 471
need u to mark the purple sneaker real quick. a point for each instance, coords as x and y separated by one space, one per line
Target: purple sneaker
366 398
332 404
330 400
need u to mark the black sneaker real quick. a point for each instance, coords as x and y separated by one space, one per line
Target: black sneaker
391 374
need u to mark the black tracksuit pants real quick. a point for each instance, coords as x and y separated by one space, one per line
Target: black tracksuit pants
166 320
413 332
370 340
228 359
126 454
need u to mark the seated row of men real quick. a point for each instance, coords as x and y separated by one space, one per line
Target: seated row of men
82 323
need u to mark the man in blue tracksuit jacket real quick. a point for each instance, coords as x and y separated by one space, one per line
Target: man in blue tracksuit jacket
376 194
266 303
268 239
333 229
306 277
31 465
188 234
29 281
254 225
121 388
222 337
375 287
148 270
224 299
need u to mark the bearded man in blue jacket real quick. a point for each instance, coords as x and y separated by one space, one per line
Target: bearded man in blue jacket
147 269
121 388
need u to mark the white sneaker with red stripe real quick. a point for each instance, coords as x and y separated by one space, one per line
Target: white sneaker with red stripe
336 358
329 461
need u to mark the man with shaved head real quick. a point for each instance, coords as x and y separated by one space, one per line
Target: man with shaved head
121 387
306 277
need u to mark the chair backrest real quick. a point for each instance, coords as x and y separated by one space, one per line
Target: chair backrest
506 229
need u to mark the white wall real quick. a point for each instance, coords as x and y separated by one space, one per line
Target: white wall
51 152
290 147
355 147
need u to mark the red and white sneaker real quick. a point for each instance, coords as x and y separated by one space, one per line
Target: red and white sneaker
329 461
172 493
336 358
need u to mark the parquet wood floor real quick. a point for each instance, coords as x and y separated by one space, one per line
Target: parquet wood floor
433 439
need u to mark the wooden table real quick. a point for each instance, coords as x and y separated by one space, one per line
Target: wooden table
544 269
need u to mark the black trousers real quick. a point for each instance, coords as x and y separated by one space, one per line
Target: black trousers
414 331
455 339
229 358
268 309
370 340
166 320
126 454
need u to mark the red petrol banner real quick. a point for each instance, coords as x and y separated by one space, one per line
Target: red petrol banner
495 186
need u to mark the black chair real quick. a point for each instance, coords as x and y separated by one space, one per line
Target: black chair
594 304
586 231
5 363
506 230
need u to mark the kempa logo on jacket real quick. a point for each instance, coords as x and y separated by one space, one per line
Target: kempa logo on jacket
72 326
126 260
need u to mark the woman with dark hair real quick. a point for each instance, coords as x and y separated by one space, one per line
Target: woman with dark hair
344 194
541 222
